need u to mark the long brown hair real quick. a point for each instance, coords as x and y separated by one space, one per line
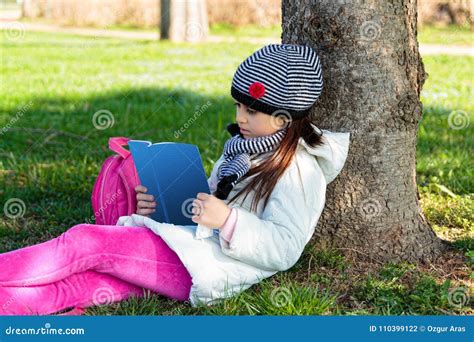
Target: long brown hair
270 170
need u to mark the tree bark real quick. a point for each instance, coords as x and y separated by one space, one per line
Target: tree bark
184 20
373 75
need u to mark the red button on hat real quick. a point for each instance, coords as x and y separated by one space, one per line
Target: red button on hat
256 90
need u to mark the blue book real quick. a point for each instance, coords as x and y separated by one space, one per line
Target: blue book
174 174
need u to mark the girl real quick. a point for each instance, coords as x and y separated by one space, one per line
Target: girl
267 194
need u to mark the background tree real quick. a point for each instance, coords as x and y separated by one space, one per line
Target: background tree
373 75
184 20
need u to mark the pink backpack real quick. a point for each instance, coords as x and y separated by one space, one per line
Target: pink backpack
114 194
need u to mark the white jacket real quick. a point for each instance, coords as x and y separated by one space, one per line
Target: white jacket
263 243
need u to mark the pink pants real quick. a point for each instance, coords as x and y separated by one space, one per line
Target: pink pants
89 265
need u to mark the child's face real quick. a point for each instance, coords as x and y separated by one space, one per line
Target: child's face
255 123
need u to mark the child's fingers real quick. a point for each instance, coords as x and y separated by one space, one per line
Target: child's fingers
198 207
140 188
145 212
145 197
146 204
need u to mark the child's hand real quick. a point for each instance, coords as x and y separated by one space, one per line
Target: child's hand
210 211
145 203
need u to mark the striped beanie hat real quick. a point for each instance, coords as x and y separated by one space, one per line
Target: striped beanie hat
279 77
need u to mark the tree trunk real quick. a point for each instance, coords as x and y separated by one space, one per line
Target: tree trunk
373 75
184 20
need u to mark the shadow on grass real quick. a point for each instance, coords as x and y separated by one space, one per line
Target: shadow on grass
146 113
53 148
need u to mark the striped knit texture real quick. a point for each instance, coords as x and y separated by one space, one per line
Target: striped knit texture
291 75
237 151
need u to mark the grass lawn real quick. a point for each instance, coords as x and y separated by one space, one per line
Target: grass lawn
448 35
51 152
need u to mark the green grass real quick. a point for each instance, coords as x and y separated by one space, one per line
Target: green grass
51 153
391 296
448 35
223 29
446 131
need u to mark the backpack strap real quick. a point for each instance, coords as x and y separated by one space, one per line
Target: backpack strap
116 143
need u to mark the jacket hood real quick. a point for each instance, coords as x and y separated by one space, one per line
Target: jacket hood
332 154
